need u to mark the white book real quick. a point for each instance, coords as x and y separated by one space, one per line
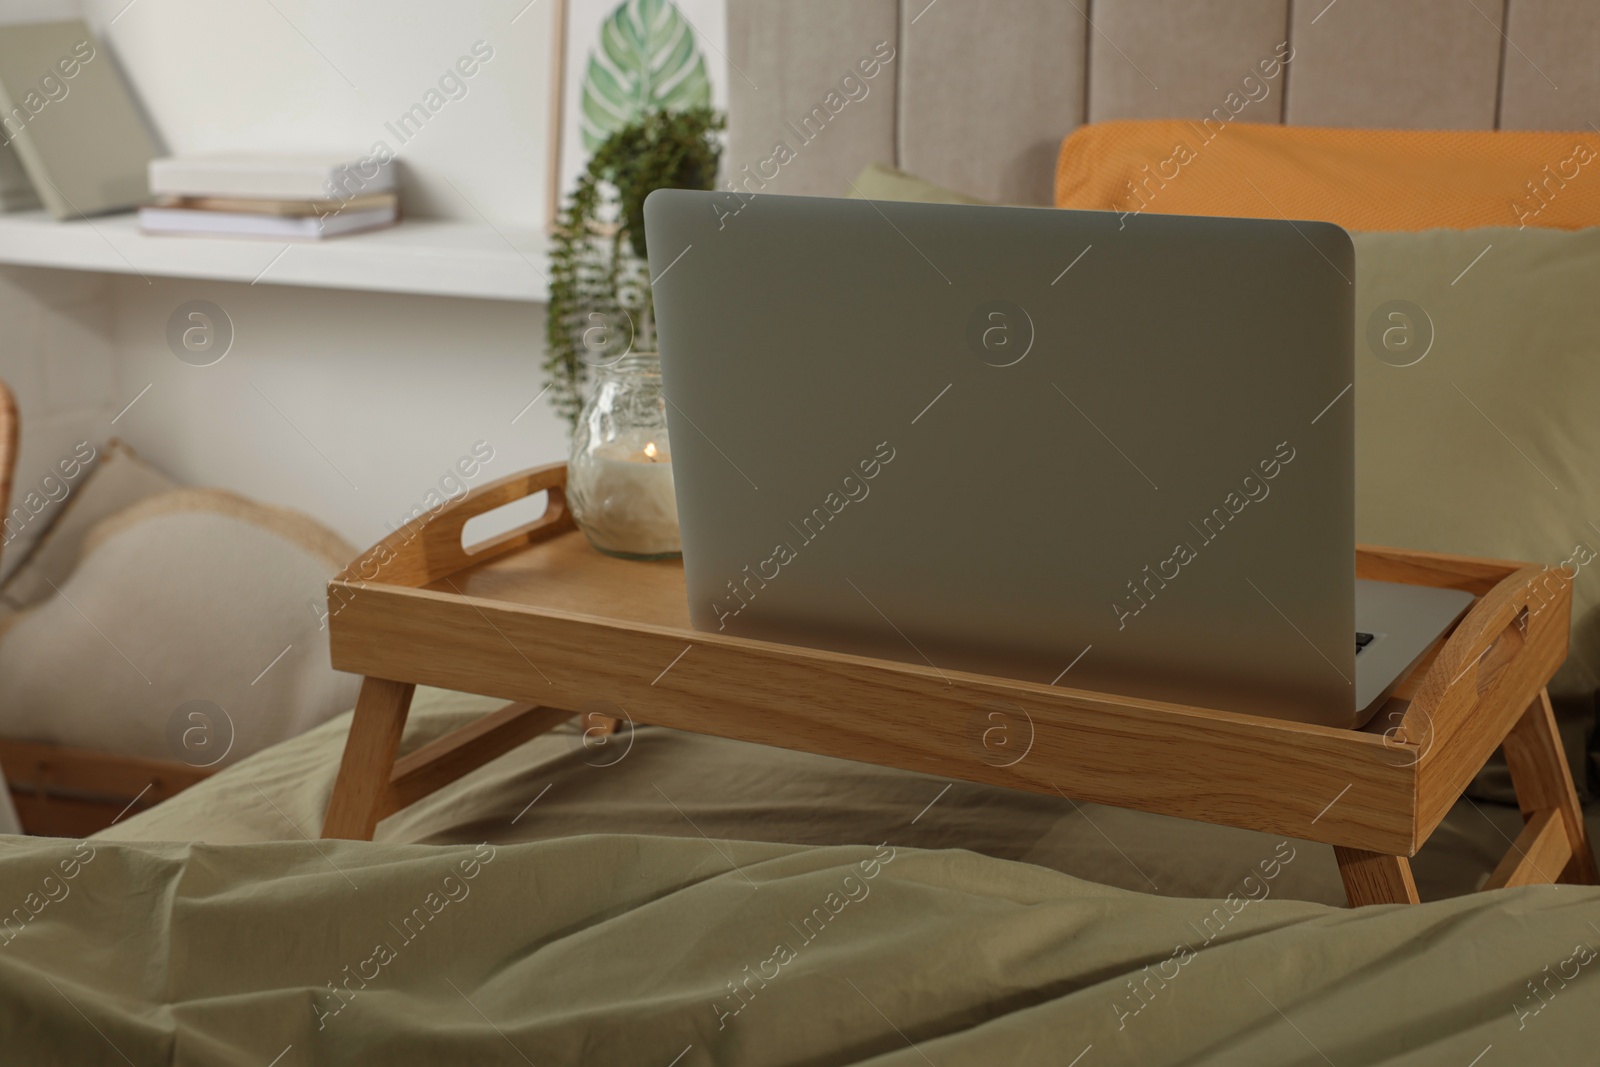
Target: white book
177 220
270 176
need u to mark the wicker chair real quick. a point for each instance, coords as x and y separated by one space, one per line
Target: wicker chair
71 792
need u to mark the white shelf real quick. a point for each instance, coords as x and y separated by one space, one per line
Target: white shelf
417 256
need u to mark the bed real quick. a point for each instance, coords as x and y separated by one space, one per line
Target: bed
621 949
659 895
660 898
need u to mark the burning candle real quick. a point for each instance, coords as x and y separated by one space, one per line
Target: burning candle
622 495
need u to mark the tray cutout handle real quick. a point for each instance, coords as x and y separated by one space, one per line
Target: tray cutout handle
1505 647
430 547
487 530
1488 640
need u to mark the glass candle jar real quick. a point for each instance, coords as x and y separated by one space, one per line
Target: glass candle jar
619 477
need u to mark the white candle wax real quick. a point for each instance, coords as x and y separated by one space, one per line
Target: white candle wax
628 501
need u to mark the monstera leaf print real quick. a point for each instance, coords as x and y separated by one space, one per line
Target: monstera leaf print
647 59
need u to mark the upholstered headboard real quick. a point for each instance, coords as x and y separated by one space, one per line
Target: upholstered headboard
979 93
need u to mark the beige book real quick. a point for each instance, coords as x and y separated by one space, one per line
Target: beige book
68 113
16 191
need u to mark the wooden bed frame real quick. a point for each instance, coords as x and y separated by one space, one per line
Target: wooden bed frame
540 618
72 792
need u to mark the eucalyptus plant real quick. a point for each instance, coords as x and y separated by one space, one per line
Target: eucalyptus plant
600 302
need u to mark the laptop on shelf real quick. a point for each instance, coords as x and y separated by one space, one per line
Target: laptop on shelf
1067 447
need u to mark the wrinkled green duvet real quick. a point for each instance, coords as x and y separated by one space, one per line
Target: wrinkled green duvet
684 951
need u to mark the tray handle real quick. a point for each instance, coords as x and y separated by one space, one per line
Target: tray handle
1498 628
429 547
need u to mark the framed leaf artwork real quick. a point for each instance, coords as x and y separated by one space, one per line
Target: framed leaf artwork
617 60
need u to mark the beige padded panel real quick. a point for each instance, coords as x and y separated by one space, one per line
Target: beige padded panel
1424 64
981 93
988 90
1195 51
785 58
1552 72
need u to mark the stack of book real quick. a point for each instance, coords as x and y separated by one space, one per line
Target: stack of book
278 196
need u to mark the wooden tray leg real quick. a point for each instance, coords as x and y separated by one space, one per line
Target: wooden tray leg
1375 878
361 789
1543 781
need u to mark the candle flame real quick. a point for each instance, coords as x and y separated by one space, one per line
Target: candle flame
650 450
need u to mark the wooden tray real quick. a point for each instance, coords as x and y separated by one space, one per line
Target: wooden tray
542 619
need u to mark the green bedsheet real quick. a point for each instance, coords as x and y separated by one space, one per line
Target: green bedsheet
660 951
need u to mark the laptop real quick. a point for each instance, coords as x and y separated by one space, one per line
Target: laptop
1080 449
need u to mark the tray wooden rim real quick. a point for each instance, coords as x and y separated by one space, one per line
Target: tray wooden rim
1462 700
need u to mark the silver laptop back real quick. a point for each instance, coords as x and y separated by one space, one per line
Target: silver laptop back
1110 454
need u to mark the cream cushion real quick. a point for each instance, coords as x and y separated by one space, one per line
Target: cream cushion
188 596
117 480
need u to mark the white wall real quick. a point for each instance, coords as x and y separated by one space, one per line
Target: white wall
391 389
307 75
45 314
57 353
385 390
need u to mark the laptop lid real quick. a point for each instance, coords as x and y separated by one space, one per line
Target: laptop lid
1077 448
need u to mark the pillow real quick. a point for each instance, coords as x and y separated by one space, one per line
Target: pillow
1359 179
1475 425
878 182
189 630
119 479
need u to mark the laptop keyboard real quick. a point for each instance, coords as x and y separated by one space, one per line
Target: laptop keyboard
1362 641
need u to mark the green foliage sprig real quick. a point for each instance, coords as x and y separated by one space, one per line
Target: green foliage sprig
600 300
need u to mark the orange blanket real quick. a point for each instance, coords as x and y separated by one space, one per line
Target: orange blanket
1360 179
